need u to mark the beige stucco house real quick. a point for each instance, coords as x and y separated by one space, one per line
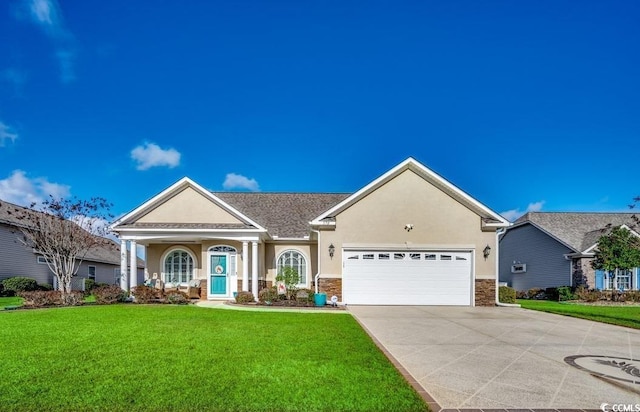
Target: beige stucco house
408 238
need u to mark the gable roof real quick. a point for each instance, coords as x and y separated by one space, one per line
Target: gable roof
128 221
284 215
488 216
577 230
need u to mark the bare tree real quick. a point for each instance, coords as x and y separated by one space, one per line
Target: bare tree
63 231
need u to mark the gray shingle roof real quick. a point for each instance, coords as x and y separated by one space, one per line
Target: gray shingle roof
578 230
286 215
108 252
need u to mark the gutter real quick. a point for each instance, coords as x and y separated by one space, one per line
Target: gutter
316 278
498 303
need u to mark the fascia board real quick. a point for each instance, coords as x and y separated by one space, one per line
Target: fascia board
180 184
428 175
591 249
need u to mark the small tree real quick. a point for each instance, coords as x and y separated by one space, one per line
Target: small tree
290 277
618 250
63 231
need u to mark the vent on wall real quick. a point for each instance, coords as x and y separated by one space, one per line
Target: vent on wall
519 268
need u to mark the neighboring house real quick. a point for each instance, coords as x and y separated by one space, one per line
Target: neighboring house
544 249
102 264
408 238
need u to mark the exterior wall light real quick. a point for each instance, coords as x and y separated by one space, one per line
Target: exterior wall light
332 250
486 251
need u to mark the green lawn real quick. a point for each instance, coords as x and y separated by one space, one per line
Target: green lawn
12 301
187 358
618 315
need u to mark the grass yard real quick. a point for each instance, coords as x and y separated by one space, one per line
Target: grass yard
10 301
628 316
187 358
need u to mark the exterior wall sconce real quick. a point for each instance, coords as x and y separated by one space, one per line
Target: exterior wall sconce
486 252
332 250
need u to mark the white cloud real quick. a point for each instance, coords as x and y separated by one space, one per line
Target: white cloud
47 14
151 155
21 190
235 181
513 214
6 133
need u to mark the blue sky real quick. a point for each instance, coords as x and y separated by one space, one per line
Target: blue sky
525 105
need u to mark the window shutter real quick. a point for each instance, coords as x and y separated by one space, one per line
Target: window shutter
599 279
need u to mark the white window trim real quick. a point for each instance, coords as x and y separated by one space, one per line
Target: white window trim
163 259
304 284
95 270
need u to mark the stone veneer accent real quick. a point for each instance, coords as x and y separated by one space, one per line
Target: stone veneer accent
485 292
583 273
330 286
203 289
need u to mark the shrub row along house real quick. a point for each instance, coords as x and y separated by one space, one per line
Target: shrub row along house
545 249
409 237
102 264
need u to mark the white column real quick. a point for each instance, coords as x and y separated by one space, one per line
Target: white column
245 266
133 271
254 269
123 265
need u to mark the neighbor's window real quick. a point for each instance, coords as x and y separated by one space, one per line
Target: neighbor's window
294 259
42 260
92 272
624 280
178 267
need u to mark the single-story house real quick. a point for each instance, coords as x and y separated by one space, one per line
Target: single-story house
409 237
547 249
101 264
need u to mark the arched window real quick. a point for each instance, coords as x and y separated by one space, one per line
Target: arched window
178 267
294 259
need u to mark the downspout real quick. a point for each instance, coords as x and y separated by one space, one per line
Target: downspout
316 278
498 303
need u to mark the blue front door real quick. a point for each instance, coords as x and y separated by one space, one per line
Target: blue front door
218 275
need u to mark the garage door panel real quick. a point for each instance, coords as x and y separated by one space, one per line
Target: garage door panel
411 279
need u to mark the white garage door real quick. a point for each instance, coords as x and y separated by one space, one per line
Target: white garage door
406 278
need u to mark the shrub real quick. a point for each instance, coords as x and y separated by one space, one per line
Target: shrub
522 294
565 293
20 284
45 286
305 296
506 294
245 297
39 299
4 292
144 294
106 295
177 298
632 296
536 293
89 285
268 295
585 295
551 294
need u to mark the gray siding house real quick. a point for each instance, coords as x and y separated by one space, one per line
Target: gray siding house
101 264
544 249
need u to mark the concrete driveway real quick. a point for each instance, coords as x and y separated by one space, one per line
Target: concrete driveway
509 358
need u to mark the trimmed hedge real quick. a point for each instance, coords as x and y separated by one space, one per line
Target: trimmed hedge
506 294
42 299
245 297
106 295
20 284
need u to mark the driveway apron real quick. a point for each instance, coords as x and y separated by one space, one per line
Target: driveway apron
509 358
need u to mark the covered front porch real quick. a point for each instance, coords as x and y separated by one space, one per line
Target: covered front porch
224 263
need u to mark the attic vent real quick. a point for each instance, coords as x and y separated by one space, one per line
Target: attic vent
519 268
